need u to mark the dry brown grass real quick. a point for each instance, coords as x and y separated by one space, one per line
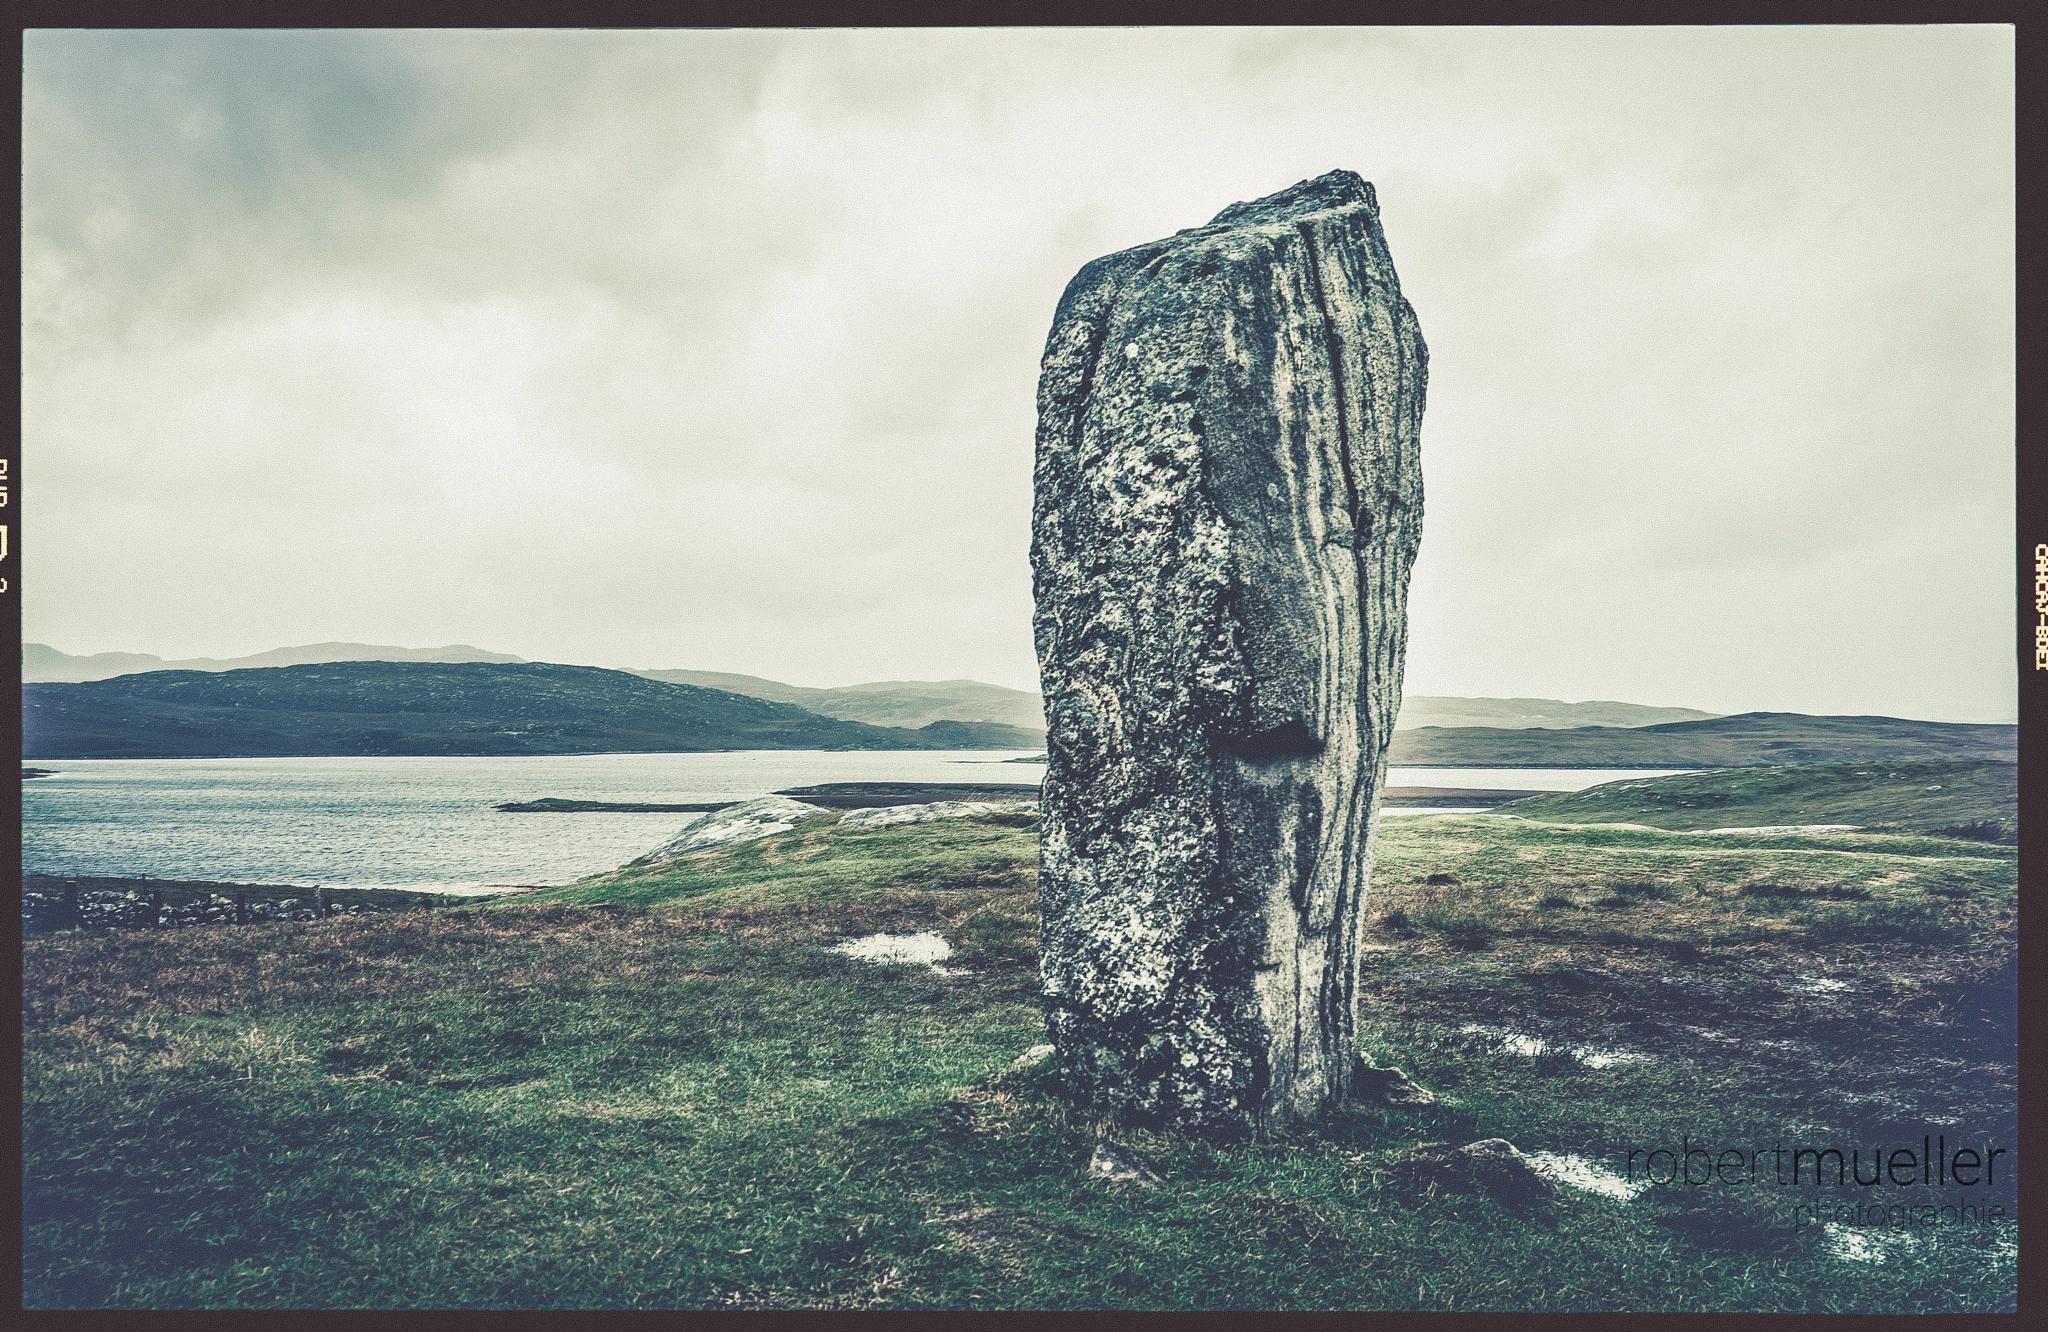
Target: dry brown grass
246 970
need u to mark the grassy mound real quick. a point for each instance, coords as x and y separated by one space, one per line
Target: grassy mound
664 1088
1968 799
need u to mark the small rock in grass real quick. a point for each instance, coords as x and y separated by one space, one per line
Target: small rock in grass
1120 1163
1494 1165
1033 1057
1387 1086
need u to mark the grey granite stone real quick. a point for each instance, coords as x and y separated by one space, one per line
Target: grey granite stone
1228 502
892 816
747 821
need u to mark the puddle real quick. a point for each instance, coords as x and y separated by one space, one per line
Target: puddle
1580 1173
926 949
1816 985
1866 1244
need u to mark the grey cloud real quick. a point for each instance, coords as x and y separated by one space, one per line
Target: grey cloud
719 349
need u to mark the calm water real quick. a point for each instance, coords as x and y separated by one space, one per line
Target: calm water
429 822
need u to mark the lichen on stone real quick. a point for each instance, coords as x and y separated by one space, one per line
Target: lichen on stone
1224 521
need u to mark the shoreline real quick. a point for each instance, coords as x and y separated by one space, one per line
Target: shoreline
129 902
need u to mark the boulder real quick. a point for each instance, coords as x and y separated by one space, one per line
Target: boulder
890 816
1122 1165
747 821
1492 1165
1031 1058
1371 1084
1228 499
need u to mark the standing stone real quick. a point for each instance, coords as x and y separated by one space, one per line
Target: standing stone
1229 498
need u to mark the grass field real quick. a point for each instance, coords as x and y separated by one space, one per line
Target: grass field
665 1089
1968 798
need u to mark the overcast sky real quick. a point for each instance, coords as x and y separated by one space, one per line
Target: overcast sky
719 350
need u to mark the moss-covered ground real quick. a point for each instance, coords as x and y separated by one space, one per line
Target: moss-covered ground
1975 799
665 1089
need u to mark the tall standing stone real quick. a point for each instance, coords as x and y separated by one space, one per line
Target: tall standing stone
1229 498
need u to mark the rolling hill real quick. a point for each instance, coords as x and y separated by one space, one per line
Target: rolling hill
1419 710
1970 799
472 708
42 663
917 702
1747 740
884 702
895 703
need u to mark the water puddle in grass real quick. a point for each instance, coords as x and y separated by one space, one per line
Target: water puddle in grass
926 949
1589 1176
1864 1244
1529 1047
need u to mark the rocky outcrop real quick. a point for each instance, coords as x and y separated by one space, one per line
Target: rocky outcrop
1228 501
747 821
1122 1165
1491 1165
892 816
1373 1085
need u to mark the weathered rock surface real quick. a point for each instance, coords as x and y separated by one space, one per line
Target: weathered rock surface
1032 1058
1387 1086
1122 1165
747 821
1228 501
1493 1165
890 816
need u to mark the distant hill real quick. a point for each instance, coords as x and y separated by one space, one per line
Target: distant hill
42 663
978 735
753 686
1750 739
917 702
376 707
1970 799
886 702
905 703
1418 710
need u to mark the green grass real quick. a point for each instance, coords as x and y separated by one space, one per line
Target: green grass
1974 800
663 1088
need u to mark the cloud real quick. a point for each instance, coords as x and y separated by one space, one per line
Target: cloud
719 349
